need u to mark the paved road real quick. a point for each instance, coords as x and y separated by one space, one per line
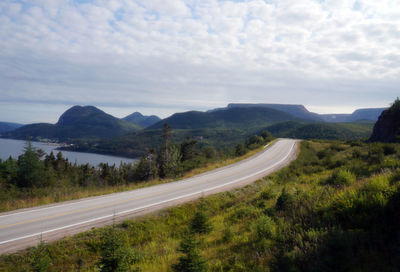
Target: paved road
23 228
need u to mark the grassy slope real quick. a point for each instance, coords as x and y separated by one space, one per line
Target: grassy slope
323 225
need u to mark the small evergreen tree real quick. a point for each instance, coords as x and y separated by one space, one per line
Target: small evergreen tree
191 261
284 201
200 223
147 167
30 170
188 149
115 255
40 260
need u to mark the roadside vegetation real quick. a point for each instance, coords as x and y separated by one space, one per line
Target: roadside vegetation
36 178
336 208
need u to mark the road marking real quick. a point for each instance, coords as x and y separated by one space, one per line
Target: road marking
106 205
121 193
153 204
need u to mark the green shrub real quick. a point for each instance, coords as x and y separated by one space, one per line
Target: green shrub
240 149
246 212
267 194
265 227
375 155
342 177
377 184
227 235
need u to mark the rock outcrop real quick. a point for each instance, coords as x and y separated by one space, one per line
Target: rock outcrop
387 128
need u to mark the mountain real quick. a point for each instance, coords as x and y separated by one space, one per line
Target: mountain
387 128
329 131
235 117
144 121
298 111
366 114
6 126
360 114
76 122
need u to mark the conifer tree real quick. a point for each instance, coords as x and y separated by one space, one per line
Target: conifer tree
191 261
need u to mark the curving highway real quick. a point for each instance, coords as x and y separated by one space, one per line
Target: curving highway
22 228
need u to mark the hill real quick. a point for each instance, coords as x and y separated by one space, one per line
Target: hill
141 120
230 118
6 126
387 128
77 122
331 131
360 114
298 111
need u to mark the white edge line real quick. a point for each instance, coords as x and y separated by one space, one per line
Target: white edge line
150 205
58 205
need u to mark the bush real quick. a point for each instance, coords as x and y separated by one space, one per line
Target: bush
377 184
376 155
285 201
342 177
240 150
265 227
267 194
246 212
227 235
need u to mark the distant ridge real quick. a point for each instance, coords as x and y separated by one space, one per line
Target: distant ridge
7 126
234 117
369 114
77 122
142 120
298 111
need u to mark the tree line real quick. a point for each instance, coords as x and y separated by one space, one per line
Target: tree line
35 169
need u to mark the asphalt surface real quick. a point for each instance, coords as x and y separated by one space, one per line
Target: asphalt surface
22 228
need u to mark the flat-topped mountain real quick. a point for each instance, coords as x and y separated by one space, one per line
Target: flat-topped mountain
77 122
298 111
235 117
142 120
371 114
387 128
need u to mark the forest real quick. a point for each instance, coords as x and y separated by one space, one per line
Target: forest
37 178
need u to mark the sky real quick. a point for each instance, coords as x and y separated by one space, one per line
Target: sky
161 57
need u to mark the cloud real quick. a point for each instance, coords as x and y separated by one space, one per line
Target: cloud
198 54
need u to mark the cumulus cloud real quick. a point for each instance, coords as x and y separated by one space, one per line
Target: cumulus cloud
163 57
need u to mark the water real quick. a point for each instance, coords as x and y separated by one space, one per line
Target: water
14 148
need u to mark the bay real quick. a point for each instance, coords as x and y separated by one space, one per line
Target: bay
14 148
